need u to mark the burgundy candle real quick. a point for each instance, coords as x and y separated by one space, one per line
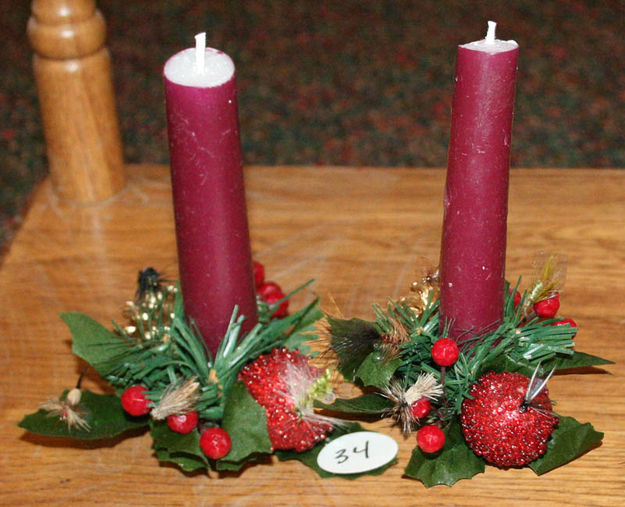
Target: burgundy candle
209 198
473 249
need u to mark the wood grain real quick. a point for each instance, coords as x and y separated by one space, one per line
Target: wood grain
363 234
73 73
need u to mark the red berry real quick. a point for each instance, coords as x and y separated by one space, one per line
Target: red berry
421 408
134 401
215 443
517 297
259 274
184 423
547 308
430 439
497 424
563 322
445 352
271 293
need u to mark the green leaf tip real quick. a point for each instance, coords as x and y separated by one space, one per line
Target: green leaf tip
454 462
569 440
102 412
246 423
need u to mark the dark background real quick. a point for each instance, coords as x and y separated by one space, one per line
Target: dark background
348 82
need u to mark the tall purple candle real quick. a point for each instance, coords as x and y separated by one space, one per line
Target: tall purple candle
209 199
473 251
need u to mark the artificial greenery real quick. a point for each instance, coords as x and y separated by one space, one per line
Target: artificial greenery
161 350
106 418
246 423
393 351
309 457
176 351
455 461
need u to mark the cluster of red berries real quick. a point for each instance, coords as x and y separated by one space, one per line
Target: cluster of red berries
214 442
547 309
431 438
269 292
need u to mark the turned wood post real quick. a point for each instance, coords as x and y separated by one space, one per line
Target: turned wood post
73 74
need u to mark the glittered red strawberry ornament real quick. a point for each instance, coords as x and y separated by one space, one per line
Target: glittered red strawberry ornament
285 385
508 419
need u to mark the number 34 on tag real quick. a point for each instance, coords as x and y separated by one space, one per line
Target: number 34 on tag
357 452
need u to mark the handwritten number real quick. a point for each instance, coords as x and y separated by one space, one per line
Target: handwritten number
341 456
365 449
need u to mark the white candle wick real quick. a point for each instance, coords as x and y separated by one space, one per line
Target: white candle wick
200 51
490 34
491 44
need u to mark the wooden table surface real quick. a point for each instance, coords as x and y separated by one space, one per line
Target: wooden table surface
363 234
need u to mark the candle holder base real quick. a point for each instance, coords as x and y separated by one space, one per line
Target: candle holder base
433 390
203 411
218 413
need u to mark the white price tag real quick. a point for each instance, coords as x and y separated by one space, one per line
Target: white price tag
357 452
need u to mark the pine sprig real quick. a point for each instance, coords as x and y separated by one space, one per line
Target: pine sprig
516 340
160 355
423 332
161 348
541 341
233 354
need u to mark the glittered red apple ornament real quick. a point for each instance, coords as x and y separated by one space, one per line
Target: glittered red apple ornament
508 419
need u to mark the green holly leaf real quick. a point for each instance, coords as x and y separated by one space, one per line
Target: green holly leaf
376 370
352 340
569 440
246 423
181 449
575 360
309 458
94 343
454 462
304 332
366 404
103 413
186 462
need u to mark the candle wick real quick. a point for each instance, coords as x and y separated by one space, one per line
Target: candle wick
490 34
200 51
